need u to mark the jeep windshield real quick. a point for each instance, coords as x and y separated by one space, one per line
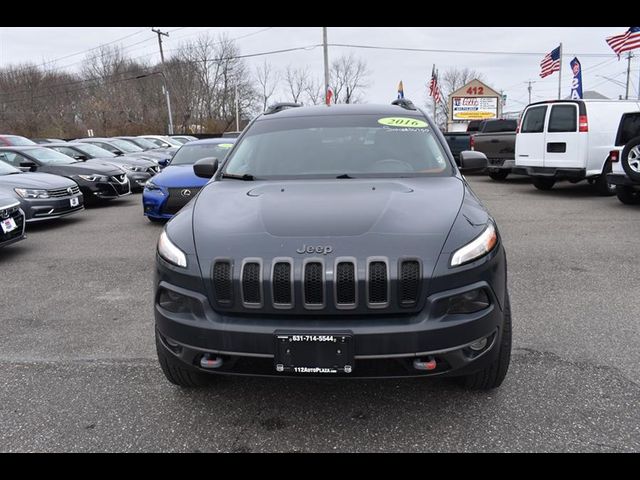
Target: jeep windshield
344 146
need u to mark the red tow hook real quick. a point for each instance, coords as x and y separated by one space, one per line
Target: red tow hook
425 364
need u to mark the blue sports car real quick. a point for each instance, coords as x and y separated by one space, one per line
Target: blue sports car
169 191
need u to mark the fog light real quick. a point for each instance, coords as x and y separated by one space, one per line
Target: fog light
469 302
478 344
173 302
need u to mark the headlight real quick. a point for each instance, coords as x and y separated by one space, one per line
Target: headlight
482 245
170 252
151 186
31 193
94 178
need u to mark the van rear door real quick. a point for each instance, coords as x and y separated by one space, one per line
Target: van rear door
530 140
562 147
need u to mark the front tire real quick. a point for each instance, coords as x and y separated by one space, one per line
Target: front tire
543 183
493 375
499 175
627 195
176 373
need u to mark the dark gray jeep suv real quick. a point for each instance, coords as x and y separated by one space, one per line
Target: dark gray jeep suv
336 241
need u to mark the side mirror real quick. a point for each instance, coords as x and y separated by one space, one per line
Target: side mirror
206 167
117 152
28 166
472 160
82 158
164 162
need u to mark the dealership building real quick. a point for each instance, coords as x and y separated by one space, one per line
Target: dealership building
473 101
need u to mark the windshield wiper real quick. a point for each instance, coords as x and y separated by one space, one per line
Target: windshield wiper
345 175
245 176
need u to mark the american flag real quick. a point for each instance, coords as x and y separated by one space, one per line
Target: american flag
550 63
434 90
629 40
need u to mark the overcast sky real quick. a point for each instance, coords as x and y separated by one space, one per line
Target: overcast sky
508 72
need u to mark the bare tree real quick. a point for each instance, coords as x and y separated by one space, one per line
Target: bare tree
348 78
314 91
453 78
267 82
296 81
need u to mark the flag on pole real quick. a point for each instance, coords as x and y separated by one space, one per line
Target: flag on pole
550 63
329 95
629 40
434 90
400 90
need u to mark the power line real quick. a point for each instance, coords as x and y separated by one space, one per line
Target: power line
486 52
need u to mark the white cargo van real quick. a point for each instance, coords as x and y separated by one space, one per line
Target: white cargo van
569 140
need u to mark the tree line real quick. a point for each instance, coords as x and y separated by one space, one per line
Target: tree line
114 94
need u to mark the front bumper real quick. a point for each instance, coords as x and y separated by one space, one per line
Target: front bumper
622 180
498 164
551 172
104 190
138 179
41 209
383 345
153 202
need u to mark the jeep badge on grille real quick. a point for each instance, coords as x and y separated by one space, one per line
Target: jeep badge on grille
321 249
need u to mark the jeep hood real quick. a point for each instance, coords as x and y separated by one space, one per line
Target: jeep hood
356 217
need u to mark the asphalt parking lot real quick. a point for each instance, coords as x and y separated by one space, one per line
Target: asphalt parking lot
79 371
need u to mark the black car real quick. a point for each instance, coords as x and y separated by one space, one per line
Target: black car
121 147
96 181
164 153
335 241
138 170
42 196
12 221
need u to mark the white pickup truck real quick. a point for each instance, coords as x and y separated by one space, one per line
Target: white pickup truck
625 160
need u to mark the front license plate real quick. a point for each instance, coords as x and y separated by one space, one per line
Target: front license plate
314 353
75 202
8 225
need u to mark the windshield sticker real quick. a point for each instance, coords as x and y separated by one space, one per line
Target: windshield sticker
402 122
225 145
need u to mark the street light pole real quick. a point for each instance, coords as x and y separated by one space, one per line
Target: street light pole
326 62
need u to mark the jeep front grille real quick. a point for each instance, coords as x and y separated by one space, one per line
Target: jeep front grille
282 285
313 285
409 287
323 286
251 284
222 282
378 288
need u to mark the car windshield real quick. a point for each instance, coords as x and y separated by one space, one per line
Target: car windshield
17 140
125 145
339 145
190 154
143 142
94 151
50 157
6 169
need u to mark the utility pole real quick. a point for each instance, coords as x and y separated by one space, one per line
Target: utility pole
529 88
326 62
237 111
165 87
626 95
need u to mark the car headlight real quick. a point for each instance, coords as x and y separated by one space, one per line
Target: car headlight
481 245
31 193
169 252
469 302
94 178
149 185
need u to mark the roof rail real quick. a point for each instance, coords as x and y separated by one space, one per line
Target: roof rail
276 107
404 103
